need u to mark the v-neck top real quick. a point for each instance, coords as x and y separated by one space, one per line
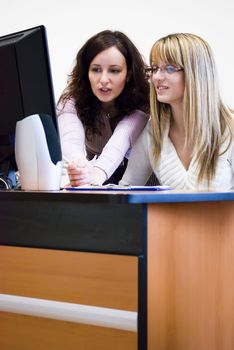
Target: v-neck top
169 169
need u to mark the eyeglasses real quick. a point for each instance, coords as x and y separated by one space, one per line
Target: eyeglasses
167 68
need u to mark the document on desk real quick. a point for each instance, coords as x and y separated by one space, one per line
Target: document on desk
111 187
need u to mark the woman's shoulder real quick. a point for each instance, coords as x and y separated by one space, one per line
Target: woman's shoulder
134 121
140 113
136 116
67 106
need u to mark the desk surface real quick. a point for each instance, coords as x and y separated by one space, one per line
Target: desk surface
126 197
139 197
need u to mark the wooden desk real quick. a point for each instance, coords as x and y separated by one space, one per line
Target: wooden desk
100 249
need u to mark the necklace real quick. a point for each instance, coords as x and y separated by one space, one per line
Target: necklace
108 116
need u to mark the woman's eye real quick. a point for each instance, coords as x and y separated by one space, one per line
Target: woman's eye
95 70
115 71
170 69
154 69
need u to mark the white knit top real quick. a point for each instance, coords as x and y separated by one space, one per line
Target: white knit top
169 169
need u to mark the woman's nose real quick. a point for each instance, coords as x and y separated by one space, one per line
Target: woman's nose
104 77
159 75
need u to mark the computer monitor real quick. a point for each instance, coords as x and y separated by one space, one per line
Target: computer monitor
26 86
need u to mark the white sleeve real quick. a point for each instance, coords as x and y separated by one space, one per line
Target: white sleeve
139 166
72 137
72 134
121 142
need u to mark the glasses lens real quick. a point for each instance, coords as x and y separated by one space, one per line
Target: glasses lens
170 69
154 69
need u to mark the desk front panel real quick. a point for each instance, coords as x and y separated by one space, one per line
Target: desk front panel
58 221
18 332
103 280
191 276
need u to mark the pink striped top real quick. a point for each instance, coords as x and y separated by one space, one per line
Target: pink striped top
110 147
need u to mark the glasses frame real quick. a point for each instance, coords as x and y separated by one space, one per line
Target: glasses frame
151 70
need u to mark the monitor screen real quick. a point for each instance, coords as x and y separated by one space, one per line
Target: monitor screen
25 83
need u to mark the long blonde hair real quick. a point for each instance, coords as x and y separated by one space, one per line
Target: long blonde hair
206 118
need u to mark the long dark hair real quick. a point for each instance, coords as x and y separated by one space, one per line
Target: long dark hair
134 95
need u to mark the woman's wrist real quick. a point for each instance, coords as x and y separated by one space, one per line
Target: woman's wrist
99 176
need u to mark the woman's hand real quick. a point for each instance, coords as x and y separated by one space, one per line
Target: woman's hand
80 173
83 173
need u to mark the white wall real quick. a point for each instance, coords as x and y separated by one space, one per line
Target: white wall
70 23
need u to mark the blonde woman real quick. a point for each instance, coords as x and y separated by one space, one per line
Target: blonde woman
189 141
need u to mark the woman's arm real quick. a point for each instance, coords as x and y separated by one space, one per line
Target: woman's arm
120 143
71 130
77 171
82 173
139 166
72 138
